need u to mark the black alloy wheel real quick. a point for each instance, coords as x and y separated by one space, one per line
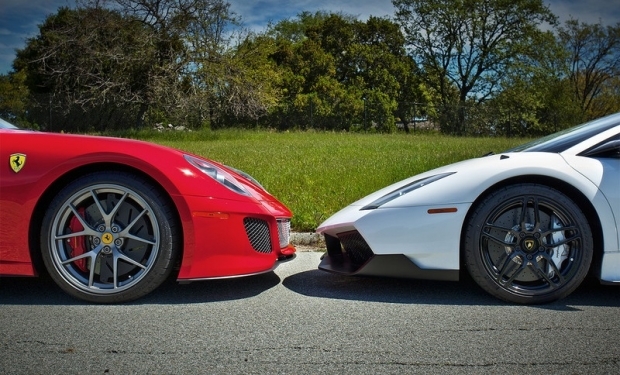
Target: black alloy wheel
528 244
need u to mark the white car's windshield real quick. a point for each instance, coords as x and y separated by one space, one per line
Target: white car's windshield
6 125
567 138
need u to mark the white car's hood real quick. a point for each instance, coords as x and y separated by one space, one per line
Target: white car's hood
468 180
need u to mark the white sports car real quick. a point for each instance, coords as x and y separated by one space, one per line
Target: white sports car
529 224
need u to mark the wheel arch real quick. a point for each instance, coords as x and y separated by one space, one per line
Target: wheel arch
36 220
567 189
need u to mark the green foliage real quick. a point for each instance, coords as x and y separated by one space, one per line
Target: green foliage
86 70
14 98
468 45
469 67
317 173
594 65
343 74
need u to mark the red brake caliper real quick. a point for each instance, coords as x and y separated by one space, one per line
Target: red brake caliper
78 243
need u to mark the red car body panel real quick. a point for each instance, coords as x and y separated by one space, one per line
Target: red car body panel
215 243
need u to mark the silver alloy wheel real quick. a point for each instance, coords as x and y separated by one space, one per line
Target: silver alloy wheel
105 238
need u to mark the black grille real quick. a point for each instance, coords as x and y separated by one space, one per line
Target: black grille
258 234
355 247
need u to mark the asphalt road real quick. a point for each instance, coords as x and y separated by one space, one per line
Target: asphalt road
299 320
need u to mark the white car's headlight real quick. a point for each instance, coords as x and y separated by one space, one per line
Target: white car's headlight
404 190
218 174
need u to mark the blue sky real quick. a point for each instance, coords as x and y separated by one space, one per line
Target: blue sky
19 18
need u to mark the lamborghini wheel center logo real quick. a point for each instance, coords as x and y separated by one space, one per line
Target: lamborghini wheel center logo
530 244
17 162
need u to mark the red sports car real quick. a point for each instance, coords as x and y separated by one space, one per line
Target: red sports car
111 218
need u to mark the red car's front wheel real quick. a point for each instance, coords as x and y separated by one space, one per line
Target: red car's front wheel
109 237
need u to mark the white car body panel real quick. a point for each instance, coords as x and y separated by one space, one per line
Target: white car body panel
610 272
432 241
604 174
413 232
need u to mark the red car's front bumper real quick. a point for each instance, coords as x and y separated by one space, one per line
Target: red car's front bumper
226 238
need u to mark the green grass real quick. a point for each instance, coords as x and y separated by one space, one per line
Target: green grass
317 173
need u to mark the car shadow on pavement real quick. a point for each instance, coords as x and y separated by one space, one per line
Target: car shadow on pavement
322 284
218 290
43 291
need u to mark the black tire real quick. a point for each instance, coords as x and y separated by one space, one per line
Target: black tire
529 256
109 237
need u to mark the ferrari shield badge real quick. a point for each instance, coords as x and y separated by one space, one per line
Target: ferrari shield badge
17 162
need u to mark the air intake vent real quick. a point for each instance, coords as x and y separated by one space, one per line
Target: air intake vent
258 234
355 247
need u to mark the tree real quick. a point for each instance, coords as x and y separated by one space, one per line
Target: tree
190 38
594 61
535 97
121 63
14 97
341 73
468 44
246 82
86 66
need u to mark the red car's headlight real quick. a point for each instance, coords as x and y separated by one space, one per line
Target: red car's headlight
218 174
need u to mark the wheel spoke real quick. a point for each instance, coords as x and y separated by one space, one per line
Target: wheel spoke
562 242
88 230
118 256
545 275
75 234
140 239
507 266
523 216
107 217
524 220
125 232
92 255
486 234
537 221
516 273
100 207
565 240
117 207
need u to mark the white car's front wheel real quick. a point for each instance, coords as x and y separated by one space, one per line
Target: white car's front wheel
528 243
